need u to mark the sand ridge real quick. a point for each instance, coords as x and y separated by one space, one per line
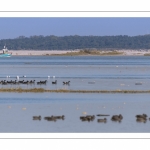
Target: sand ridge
36 52
59 52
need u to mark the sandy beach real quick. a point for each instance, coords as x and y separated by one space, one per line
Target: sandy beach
134 52
59 52
36 52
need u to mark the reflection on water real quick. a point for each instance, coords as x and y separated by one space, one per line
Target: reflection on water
84 73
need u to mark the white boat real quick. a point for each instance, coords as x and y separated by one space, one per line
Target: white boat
5 52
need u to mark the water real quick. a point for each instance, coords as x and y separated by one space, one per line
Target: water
107 73
84 73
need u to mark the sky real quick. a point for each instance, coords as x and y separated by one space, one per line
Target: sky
101 26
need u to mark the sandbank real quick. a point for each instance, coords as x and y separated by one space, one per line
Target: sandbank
78 52
36 52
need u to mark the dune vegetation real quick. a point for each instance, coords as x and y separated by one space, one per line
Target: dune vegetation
91 52
148 54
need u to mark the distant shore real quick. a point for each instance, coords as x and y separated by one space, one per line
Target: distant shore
36 52
80 52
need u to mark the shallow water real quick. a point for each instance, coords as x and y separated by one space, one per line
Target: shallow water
84 73
17 110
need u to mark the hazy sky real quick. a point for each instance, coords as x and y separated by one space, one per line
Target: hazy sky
14 27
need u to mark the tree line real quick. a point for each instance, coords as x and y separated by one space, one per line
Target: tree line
76 42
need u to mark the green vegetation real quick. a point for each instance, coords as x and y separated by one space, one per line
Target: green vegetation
77 42
40 90
148 54
90 52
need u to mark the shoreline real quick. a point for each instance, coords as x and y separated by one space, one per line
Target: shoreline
78 53
36 52
41 90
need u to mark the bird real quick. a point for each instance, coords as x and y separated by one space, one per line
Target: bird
144 116
36 117
117 118
102 120
54 82
103 115
17 77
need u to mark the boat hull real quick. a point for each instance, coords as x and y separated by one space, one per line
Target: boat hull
5 55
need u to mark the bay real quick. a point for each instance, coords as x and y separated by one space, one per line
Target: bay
84 73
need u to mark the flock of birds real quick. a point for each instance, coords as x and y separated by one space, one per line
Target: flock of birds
116 118
49 118
17 81
92 117
5 82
